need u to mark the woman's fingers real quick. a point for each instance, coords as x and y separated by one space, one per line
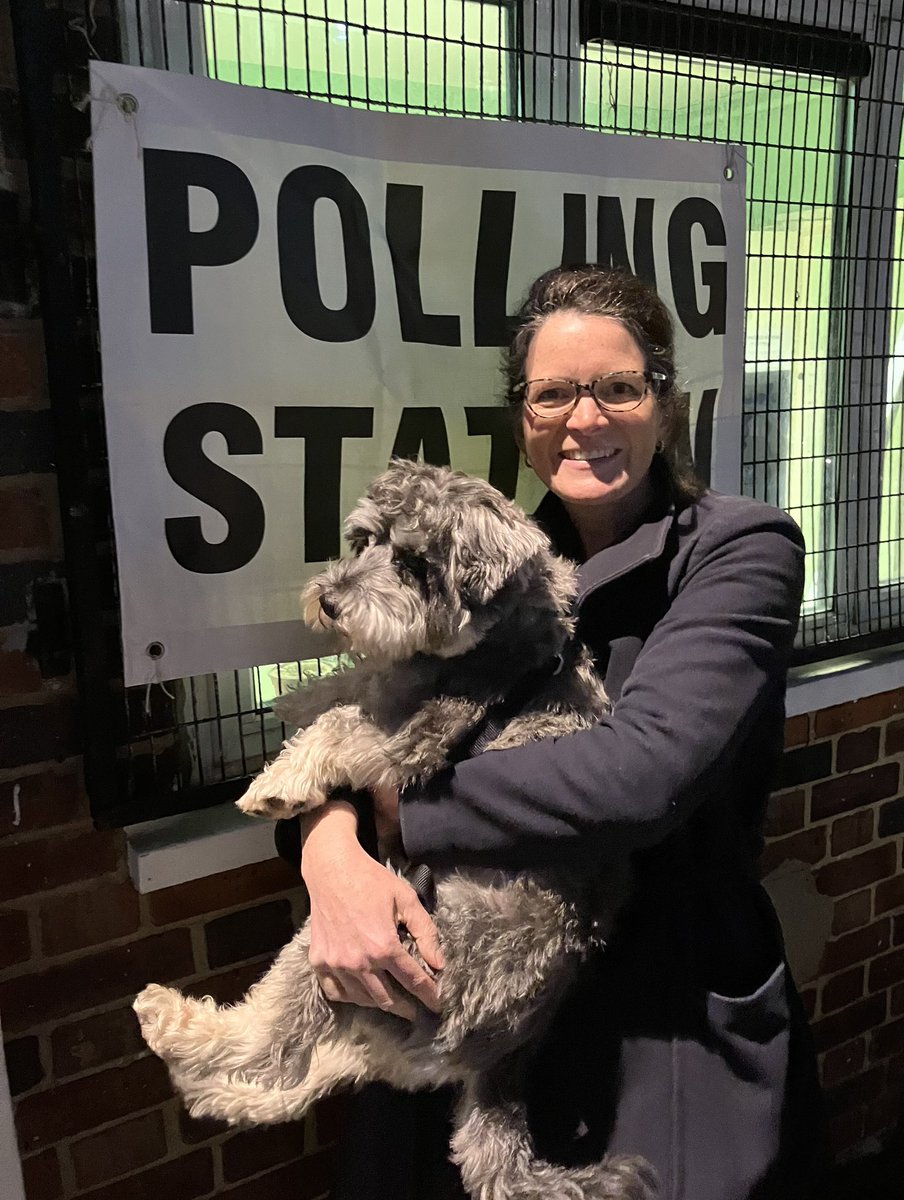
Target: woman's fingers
417 921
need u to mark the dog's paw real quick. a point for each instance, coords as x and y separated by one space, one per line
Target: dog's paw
158 1009
279 793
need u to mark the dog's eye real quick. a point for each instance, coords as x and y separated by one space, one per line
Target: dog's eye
411 563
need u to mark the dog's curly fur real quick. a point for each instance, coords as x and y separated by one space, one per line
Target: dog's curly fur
452 599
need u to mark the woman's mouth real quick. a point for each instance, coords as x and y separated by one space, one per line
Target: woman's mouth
599 455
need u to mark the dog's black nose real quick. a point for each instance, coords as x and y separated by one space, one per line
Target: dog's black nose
329 608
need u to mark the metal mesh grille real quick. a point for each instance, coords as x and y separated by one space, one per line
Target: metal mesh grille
817 107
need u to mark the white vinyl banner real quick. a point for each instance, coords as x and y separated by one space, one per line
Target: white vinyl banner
291 292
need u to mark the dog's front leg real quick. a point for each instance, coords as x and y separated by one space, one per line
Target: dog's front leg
342 749
494 1150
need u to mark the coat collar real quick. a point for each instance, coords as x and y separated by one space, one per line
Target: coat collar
645 543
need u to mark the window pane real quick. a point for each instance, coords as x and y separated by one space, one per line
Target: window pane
440 56
891 524
790 126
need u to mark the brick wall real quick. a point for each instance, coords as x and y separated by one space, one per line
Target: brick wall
95 1116
841 813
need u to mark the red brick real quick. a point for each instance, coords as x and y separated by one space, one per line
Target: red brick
39 733
843 1062
119 1149
851 912
857 749
40 866
227 987
182 1178
255 1150
784 814
859 1089
80 919
194 1130
849 874
896 1001
15 944
809 846
842 990
95 1041
887 1040
857 713
249 932
849 1022
797 731
19 673
229 889
43 801
22 371
23 1064
25 522
95 979
890 894
41 1176
848 792
894 738
83 1104
897 930
885 971
303 1180
850 832
884 1114
856 947
846 1131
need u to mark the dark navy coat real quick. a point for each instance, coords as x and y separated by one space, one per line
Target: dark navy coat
684 1041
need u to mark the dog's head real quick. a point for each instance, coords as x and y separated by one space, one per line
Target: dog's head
439 558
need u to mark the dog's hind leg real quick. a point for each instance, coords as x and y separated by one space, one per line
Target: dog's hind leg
281 1018
239 1101
493 1148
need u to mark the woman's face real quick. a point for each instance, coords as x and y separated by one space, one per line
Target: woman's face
591 458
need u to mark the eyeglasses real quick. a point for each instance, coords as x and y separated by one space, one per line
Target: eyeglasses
619 391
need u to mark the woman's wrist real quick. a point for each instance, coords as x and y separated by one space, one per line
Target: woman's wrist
327 834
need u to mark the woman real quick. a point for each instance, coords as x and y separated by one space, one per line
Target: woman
684 1041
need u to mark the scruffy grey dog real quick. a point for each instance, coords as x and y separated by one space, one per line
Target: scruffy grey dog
455 604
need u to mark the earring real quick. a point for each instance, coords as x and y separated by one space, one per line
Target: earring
659 446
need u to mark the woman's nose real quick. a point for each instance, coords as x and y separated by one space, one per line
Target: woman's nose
586 414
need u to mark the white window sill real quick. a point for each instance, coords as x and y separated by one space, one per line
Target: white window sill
194 845
841 680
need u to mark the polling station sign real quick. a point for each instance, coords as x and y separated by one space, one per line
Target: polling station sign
291 292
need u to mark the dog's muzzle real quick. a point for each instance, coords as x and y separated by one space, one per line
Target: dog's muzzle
329 609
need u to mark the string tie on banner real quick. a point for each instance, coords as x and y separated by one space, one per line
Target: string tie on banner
734 155
155 652
124 102
87 26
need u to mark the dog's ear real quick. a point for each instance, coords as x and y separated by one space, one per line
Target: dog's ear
493 545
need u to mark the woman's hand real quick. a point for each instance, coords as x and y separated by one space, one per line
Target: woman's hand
357 906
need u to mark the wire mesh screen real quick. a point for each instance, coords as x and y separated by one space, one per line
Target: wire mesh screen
815 101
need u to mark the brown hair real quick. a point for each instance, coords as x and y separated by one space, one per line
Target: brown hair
612 292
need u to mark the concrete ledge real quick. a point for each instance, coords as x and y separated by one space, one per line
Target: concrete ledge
193 845
841 680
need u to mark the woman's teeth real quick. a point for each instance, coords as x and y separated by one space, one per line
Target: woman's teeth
588 455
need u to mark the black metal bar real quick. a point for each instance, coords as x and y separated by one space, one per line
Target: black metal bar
37 35
660 25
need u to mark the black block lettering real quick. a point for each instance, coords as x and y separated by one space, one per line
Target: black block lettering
497 423
300 191
173 249
423 427
404 224
611 242
574 229
208 482
323 430
492 323
714 275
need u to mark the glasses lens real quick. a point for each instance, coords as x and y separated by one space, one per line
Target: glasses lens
625 390
550 396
